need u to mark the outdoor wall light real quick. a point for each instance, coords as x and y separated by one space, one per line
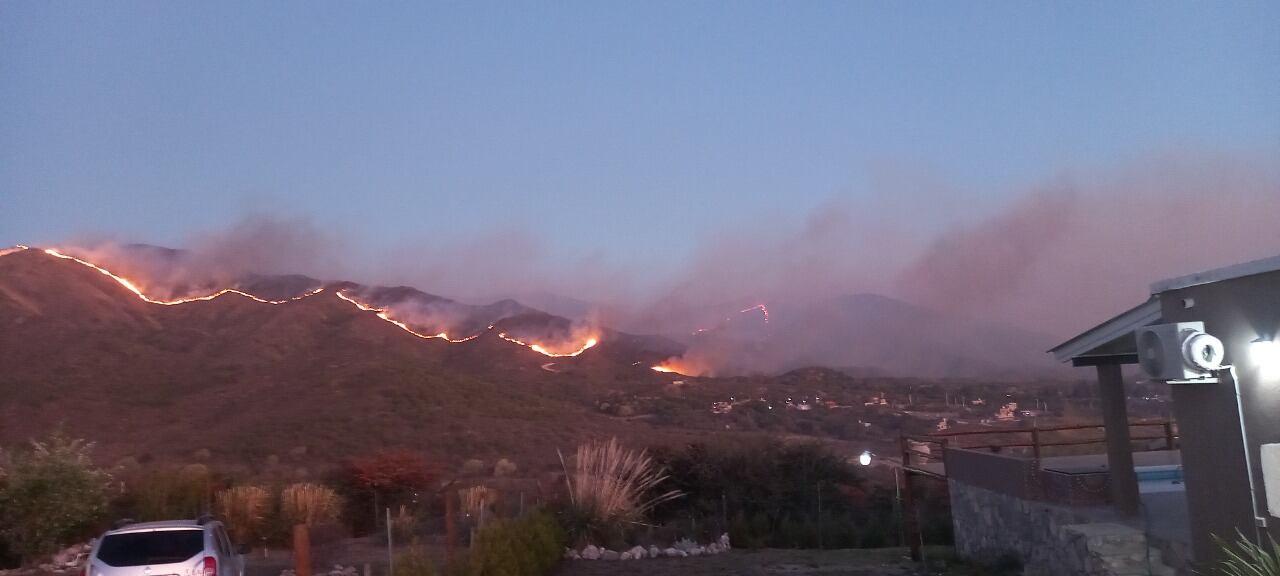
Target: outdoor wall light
1265 353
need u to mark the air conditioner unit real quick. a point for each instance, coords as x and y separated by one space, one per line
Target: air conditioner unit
1181 353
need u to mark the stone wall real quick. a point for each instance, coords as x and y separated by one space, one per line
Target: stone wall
1049 540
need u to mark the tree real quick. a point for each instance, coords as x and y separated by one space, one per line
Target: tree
50 495
382 479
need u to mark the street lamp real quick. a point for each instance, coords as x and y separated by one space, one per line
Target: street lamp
865 460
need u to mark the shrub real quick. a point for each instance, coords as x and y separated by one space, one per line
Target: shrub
243 508
528 546
168 494
414 561
765 494
309 504
611 487
49 496
505 468
1246 558
477 501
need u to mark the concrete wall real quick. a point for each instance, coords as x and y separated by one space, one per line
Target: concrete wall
1236 311
1050 540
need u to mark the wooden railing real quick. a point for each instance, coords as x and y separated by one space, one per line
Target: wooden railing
1034 439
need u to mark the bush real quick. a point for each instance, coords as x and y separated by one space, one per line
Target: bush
765 494
611 488
527 546
309 504
414 561
169 494
50 496
243 508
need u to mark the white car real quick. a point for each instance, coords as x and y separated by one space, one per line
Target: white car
170 548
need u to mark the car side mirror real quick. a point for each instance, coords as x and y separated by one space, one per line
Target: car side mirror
242 549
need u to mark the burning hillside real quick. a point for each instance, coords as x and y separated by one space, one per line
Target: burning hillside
553 343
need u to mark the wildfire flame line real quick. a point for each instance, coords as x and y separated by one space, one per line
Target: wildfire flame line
381 313
761 307
130 286
539 349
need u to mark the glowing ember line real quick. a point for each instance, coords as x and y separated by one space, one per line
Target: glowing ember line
382 313
761 307
663 369
539 349
130 286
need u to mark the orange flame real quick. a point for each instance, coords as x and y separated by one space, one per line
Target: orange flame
664 369
382 313
586 345
130 286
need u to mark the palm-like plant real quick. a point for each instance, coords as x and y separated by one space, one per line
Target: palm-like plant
1247 558
244 508
611 487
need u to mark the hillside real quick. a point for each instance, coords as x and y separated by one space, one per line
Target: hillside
245 379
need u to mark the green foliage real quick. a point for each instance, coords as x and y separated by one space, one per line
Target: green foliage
50 495
414 561
767 494
527 546
1244 557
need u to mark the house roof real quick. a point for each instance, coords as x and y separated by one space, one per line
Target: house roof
1113 341
1261 266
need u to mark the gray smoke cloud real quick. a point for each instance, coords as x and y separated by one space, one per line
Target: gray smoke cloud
1061 256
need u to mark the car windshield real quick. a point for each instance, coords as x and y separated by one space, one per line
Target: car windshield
149 548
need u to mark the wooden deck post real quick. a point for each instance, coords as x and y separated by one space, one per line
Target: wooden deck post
1115 417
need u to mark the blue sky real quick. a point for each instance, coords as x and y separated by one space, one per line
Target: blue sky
608 129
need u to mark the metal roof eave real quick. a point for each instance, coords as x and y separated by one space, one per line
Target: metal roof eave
1141 315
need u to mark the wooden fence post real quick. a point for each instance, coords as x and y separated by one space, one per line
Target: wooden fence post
301 550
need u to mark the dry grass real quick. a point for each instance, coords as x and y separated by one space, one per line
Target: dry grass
610 486
243 508
309 504
475 499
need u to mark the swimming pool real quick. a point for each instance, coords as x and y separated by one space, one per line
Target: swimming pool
1166 478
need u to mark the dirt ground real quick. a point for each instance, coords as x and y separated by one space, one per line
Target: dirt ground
888 561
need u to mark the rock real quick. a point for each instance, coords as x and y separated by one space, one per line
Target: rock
674 553
638 553
697 551
591 552
654 551
609 555
713 548
724 541
571 554
626 555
